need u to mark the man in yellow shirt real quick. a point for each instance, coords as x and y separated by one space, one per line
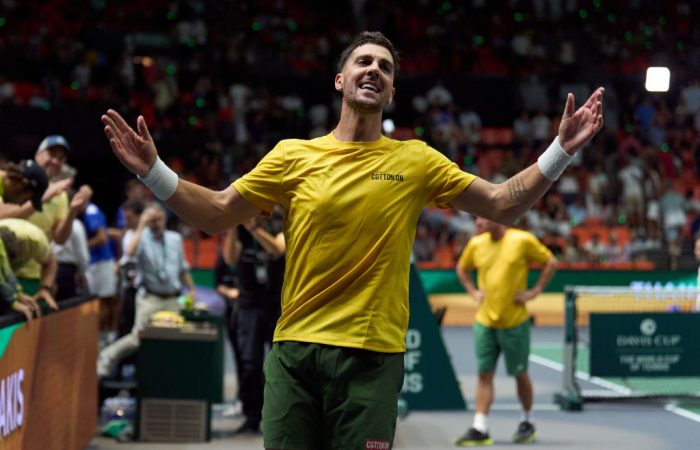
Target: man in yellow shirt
32 246
502 257
22 186
55 218
11 295
351 200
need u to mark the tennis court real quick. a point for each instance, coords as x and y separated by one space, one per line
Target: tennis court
648 425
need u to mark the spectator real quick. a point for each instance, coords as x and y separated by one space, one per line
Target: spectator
56 216
597 250
23 186
33 246
11 295
257 249
73 257
672 209
132 210
161 271
101 276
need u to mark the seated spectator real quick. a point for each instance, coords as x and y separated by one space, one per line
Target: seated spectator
574 252
615 251
596 249
672 209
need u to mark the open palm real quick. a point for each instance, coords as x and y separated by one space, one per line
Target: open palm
577 128
135 150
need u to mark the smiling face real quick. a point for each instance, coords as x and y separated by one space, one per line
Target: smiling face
52 160
367 79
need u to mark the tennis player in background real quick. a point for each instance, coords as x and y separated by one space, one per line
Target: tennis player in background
501 256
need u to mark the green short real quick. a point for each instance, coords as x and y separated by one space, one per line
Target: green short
513 342
324 397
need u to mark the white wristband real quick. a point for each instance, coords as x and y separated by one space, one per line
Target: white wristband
554 161
161 180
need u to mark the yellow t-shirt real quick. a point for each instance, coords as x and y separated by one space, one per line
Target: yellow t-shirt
350 211
34 243
52 211
501 272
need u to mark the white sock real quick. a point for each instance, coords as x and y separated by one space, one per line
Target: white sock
526 416
481 423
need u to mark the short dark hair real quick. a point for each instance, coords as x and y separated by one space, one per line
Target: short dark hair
369 37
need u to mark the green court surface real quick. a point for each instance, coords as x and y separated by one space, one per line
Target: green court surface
553 353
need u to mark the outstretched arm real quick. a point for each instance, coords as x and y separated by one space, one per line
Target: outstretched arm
507 201
208 210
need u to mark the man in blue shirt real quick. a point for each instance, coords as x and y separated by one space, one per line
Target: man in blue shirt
102 280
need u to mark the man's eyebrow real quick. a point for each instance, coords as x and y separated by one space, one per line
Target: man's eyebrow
382 59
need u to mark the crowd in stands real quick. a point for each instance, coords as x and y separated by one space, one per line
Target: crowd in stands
219 82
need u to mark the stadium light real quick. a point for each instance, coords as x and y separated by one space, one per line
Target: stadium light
658 79
388 126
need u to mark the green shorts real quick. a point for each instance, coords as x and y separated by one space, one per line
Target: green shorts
513 342
324 397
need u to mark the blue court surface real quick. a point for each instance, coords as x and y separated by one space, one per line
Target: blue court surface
648 425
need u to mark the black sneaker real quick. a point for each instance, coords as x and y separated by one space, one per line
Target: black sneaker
525 433
472 438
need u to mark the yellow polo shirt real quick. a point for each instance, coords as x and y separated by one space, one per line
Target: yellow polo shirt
35 246
501 272
52 211
350 211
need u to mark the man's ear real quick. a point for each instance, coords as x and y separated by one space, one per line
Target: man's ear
339 82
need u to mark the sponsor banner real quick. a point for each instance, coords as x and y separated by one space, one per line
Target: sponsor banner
48 381
645 345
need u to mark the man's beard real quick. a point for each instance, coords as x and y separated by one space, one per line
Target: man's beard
354 103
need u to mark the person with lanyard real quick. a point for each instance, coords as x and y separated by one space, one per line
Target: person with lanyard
351 201
162 271
257 248
132 210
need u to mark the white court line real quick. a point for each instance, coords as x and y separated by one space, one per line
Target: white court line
581 375
612 386
682 412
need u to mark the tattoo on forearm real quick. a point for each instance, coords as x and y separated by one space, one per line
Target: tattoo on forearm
516 188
